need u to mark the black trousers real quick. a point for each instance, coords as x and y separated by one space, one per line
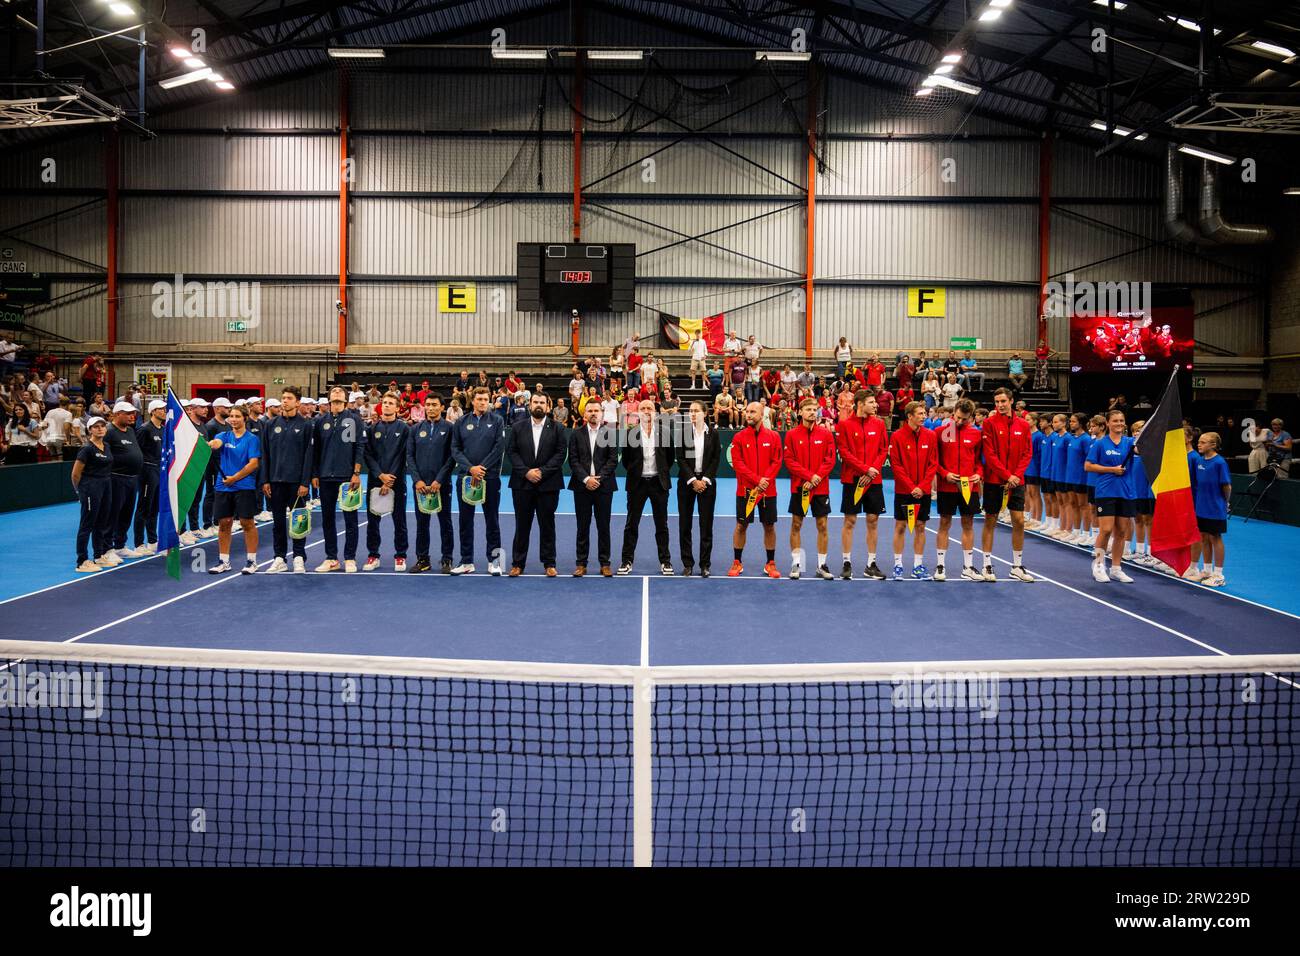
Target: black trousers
639 492
124 494
146 512
329 502
423 524
584 504
190 521
491 519
373 537
686 503
284 495
210 496
530 502
96 497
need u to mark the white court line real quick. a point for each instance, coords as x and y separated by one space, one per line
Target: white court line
645 621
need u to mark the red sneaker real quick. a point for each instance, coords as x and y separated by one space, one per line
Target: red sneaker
770 570
737 569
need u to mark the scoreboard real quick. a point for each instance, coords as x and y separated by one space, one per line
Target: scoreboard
578 275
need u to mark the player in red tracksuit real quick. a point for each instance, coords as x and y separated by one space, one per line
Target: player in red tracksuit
960 456
912 454
810 459
756 457
1008 449
863 443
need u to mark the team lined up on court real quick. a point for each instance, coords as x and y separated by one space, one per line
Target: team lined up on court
1075 478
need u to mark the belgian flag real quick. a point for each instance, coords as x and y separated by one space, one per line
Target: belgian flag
1164 456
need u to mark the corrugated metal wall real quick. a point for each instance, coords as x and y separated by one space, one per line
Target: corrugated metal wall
734 189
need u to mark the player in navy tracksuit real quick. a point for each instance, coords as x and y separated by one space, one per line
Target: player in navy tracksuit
338 455
149 436
128 463
387 442
429 462
285 476
478 443
92 481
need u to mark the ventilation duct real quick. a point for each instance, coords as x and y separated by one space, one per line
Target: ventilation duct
1175 224
1212 223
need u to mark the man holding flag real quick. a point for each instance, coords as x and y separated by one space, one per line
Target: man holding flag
1164 456
184 461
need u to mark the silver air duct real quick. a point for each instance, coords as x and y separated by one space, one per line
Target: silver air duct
1212 223
1176 225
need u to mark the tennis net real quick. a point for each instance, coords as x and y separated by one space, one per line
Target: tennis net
120 755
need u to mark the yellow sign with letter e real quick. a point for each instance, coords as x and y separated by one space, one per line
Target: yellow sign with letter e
457 297
926 302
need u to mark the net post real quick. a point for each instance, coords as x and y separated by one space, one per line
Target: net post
643 696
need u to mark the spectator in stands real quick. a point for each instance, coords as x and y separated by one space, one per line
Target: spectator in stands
461 384
1278 442
631 402
1016 371
22 434
753 383
609 409
577 384
930 389
91 381
1042 359
969 372
724 410
843 357
732 349
634 362
905 371
904 395
54 428
597 374
8 350
668 402
753 351
715 379
75 430
631 344
617 364
789 380
699 360
455 410
875 372
922 365
844 400
561 411
885 407
662 378
807 378
52 390
771 384
951 391
951 366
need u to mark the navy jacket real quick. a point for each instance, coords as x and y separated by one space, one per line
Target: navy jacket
286 451
478 441
337 446
429 456
549 455
149 437
580 460
386 449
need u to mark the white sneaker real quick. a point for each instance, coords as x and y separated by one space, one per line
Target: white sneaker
1020 573
109 559
88 567
188 539
1215 581
211 530
126 554
988 574
148 549
299 565
970 574
349 567
463 569
277 566
1099 572
494 568
1117 574
329 564
399 564
1194 574
940 574
221 567
372 564
262 516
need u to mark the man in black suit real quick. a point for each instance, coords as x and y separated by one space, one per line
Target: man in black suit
648 461
593 458
698 457
536 447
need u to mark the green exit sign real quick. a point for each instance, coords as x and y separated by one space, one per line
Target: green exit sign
965 343
277 381
1198 381
236 325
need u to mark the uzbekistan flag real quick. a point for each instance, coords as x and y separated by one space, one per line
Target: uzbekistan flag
1164 455
184 459
678 332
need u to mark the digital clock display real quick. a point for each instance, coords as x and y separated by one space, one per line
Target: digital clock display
575 277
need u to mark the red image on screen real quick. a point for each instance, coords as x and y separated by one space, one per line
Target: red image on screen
1158 339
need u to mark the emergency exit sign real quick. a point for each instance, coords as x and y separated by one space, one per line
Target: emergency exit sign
236 325
965 343
1198 381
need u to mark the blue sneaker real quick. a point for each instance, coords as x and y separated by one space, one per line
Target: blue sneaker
898 572
921 573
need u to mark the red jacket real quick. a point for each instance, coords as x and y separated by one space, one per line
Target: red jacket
912 454
756 456
1008 448
960 451
875 374
863 443
808 453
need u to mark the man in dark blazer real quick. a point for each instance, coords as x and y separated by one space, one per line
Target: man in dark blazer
698 457
593 459
648 461
536 447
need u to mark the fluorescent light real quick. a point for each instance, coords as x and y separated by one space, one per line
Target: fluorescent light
1273 48
1291 191
925 91
614 55
194 63
950 83
1000 4
1106 3
184 78
1119 130
514 53
216 78
944 68
122 9
789 56
952 58
1188 24
223 85
1206 154
355 53
179 52
989 15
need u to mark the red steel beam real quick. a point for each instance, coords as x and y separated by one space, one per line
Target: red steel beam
343 221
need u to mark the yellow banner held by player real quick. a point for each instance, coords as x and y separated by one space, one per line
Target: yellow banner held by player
860 490
807 500
965 490
1006 496
911 517
751 500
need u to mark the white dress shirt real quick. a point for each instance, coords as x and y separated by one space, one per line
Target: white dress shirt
537 437
699 436
649 461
